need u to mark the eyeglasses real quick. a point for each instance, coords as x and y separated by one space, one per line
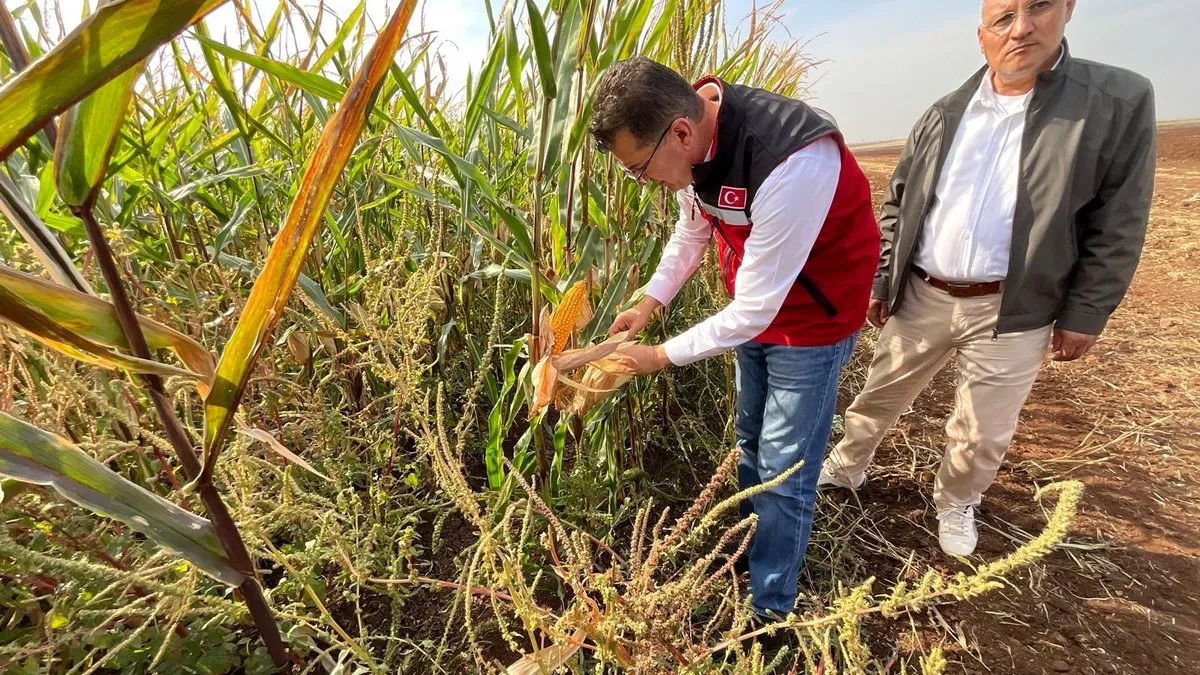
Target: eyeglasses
1035 11
637 177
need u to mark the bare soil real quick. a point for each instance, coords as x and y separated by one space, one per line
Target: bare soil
1123 594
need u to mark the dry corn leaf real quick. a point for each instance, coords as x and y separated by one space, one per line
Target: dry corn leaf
607 375
298 345
549 659
273 443
545 336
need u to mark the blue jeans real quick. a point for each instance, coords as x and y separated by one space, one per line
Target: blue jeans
786 400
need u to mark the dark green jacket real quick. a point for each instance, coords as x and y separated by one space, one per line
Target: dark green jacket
1083 200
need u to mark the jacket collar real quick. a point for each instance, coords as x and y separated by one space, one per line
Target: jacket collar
1059 71
729 122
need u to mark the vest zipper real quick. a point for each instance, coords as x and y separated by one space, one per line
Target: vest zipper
728 246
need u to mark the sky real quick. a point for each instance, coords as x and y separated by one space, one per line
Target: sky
882 62
886 61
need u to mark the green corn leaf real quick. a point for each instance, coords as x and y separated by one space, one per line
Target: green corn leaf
31 455
317 85
484 88
465 170
307 284
512 58
627 28
107 43
541 49
560 449
497 430
87 135
614 291
566 35
348 26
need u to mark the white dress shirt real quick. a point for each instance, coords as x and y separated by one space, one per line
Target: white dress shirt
789 210
968 231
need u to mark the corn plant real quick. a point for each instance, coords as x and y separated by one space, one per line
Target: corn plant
101 86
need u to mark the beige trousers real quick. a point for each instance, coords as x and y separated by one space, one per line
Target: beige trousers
995 374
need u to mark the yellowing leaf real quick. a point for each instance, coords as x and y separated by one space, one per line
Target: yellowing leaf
85 327
274 285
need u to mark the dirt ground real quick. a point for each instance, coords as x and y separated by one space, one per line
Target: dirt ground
1123 594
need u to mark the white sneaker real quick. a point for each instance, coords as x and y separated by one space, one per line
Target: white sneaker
956 531
832 476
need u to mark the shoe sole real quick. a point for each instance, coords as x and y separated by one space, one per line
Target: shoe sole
959 555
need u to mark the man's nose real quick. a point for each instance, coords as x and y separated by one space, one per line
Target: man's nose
1022 27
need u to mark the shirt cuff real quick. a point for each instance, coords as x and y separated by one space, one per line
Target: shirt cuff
679 350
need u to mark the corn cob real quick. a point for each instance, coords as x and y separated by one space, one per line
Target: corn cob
562 322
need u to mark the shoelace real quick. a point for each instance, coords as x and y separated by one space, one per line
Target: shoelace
959 522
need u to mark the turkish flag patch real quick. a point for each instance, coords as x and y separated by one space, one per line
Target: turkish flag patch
732 198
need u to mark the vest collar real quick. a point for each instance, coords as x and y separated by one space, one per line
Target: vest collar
729 122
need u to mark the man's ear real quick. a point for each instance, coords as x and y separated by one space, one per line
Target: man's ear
1070 9
685 131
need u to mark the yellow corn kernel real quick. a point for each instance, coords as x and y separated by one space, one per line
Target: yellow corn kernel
562 321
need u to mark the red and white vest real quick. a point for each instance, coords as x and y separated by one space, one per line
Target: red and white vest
756 131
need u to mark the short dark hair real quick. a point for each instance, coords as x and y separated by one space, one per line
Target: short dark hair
642 97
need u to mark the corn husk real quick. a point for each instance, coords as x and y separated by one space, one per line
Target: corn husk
604 368
600 379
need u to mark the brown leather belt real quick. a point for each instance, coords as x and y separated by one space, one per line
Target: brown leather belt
959 289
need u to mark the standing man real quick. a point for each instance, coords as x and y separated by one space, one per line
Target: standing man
1014 222
797 242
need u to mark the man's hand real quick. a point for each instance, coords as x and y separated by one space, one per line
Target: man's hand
1068 345
635 318
643 359
877 312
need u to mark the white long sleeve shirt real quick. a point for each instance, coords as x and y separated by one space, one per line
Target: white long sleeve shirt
789 210
968 231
